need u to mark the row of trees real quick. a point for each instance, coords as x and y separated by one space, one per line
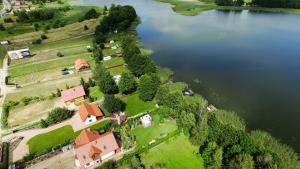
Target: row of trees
36 15
229 2
278 3
262 3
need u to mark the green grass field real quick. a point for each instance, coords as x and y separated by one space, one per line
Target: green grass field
156 130
46 141
177 153
43 142
134 105
95 92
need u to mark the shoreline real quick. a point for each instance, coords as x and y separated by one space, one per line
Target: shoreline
192 8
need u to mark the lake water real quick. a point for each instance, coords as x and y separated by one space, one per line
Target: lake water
244 61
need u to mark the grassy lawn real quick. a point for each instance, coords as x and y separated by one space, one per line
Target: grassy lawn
178 86
156 130
117 70
113 62
177 153
134 105
95 92
43 142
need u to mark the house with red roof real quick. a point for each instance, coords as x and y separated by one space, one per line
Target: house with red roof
89 113
91 148
73 95
81 64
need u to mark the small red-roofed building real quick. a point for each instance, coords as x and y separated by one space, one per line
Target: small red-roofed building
89 113
73 95
81 64
92 148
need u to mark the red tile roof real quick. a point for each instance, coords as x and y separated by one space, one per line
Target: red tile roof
89 109
90 144
72 93
81 63
86 137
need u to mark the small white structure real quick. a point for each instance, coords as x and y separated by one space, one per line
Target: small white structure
106 58
111 41
5 42
146 120
18 54
114 47
117 78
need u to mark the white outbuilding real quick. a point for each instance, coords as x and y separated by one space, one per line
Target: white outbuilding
146 120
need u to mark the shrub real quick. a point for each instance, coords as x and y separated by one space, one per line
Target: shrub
43 123
113 104
37 41
26 100
57 115
2 28
44 37
59 54
8 20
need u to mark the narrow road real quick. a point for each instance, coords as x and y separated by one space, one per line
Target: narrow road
3 75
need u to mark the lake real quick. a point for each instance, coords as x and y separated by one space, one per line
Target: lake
244 61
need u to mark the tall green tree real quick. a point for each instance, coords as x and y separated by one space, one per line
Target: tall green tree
113 104
148 87
104 80
242 161
127 84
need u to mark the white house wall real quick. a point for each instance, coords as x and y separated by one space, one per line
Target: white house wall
107 155
90 120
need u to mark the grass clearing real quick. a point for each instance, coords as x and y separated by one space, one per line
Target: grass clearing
157 130
30 113
177 86
113 62
134 105
177 153
95 92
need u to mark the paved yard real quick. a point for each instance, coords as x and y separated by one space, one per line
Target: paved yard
64 160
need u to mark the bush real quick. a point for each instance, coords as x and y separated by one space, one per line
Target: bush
59 54
57 115
5 111
26 100
37 41
8 20
5 151
2 28
43 123
44 37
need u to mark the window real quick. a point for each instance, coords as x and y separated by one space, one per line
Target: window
104 147
84 157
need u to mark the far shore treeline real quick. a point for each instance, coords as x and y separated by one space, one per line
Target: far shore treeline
262 3
222 137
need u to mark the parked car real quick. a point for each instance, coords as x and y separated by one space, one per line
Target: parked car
65 73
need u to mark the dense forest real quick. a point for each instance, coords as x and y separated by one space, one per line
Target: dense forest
278 3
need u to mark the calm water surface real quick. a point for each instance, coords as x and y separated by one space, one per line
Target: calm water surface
243 61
